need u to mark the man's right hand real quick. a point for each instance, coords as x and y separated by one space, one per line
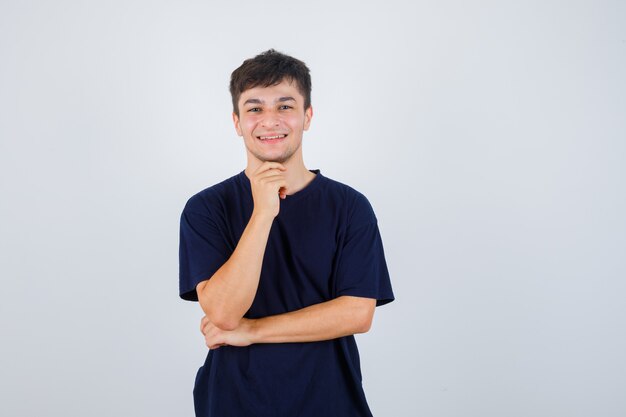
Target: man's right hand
230 292
268 184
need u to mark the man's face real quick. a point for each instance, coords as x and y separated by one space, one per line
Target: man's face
271 121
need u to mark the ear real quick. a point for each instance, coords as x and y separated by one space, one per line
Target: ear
308 115
237 126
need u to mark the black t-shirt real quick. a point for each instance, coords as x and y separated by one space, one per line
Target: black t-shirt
324 243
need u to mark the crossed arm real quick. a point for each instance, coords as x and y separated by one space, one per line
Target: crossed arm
339 317
229 293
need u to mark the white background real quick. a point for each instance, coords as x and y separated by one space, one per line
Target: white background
488 136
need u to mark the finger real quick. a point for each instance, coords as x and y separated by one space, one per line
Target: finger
217 346
208 329
278 179
269 165
202 323
212 341
269 174
279 183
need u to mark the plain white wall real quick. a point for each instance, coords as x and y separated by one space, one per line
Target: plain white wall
489 137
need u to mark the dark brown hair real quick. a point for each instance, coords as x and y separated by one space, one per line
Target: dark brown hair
270 68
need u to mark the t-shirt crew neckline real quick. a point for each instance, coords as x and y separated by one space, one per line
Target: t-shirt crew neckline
311 186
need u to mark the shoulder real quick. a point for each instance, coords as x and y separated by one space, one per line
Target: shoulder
358 209
212 197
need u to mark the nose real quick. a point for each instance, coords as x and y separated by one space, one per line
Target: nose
271 119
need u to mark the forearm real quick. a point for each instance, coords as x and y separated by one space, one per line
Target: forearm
229 293
339 317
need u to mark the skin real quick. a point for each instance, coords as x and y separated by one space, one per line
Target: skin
276 170
266 111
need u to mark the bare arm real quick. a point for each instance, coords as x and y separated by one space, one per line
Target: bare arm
339 317
229 293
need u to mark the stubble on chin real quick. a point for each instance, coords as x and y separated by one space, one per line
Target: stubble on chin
280 159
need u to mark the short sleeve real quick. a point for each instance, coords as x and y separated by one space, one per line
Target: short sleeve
362 269
202 251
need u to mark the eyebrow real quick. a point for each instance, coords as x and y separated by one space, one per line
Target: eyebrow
258 101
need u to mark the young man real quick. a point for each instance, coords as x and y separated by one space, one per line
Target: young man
287 264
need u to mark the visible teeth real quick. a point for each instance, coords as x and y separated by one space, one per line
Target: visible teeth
271 137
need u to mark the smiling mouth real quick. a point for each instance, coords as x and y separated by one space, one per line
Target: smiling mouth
273 138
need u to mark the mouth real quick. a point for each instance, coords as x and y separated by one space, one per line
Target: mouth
271 138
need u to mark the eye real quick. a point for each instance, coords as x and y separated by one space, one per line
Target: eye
254 110
285 107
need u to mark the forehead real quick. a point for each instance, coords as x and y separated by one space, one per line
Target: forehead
272 93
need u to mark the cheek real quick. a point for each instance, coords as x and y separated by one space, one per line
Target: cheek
294 121
248 125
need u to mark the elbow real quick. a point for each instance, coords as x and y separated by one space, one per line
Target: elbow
220 320
365 325
361 312
367 317
214 313
226 323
